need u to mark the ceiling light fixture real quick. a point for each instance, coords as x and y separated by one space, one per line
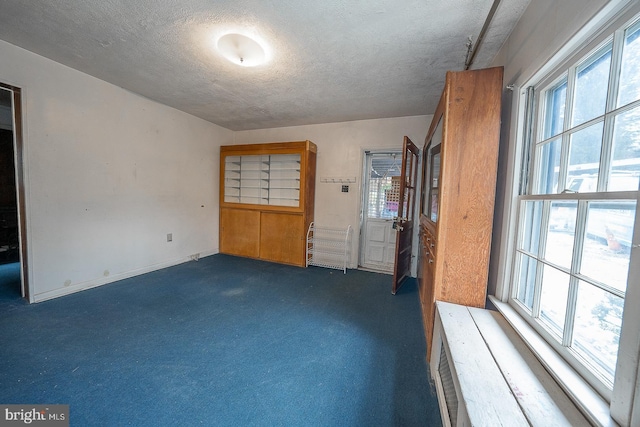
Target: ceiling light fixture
242 50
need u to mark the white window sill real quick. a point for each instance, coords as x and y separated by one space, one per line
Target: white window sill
586 399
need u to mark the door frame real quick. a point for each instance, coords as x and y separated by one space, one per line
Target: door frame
18 155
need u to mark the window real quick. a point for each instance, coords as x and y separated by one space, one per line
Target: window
383 185
579 208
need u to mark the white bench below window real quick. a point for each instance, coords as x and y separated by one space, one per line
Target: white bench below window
486 375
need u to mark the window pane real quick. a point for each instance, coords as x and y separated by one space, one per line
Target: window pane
591 88
526 284
383 198
584 159
629 89
384 186
556 99
625 161
607 244
548 161
531 227
410 166
561 232
553 300
596 331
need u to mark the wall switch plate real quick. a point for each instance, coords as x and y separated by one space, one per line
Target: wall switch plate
170 237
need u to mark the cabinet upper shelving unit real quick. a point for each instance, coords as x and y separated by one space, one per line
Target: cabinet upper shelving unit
269 179
271 174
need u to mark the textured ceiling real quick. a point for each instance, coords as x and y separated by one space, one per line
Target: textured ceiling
332 60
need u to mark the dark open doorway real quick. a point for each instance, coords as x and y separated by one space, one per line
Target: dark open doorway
12 224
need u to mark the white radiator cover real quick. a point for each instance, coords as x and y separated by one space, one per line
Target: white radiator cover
471 388
485 375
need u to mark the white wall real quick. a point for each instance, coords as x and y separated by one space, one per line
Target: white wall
543 29
108 175
340 154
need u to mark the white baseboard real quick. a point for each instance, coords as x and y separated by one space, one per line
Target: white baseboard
67 290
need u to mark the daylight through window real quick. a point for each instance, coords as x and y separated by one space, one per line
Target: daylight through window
577 218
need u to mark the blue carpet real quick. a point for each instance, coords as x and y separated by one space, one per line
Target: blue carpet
224 341
10 287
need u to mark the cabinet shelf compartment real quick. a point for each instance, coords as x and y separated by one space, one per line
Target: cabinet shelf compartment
329 247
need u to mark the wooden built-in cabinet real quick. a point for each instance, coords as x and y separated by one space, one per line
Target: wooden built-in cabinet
267 200
458 191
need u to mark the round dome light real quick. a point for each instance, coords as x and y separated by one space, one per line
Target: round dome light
241 50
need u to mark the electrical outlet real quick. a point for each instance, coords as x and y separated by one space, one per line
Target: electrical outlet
169 237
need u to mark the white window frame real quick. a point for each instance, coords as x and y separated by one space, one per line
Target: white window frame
622 404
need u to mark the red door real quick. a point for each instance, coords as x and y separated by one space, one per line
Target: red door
404 222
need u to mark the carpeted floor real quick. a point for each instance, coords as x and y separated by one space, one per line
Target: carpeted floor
224 341
10 287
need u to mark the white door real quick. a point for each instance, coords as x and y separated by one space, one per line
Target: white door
380 206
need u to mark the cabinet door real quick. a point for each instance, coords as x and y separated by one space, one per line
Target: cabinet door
282 238
240 232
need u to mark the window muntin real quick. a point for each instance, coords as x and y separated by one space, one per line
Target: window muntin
574 248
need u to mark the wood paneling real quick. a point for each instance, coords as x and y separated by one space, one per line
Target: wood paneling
239 232
456 267
282 237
